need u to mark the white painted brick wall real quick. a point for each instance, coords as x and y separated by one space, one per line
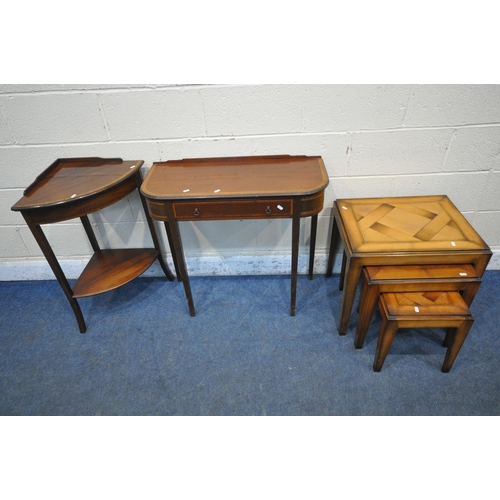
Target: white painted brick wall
398 152
448 105
252 110
147 115
338 108
376 140
474 149
54 118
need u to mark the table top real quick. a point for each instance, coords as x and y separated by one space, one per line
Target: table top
407 225
71 179
242 177
425 304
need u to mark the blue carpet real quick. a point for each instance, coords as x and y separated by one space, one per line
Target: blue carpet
241 355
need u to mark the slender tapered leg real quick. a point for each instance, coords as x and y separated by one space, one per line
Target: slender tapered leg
90 232
312 244
56 269
342 271
450 332
172 250
455 345
173 226
156 241
295 255
364 285
468 294
352 274
368 301
333 243
388 331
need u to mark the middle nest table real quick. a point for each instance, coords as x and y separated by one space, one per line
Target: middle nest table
233 188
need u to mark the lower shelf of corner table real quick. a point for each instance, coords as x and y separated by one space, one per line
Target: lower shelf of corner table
110 269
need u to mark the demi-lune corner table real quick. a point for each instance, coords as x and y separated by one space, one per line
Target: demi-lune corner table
232 188
75 187
413 230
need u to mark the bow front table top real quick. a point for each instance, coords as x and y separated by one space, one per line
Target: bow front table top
252 187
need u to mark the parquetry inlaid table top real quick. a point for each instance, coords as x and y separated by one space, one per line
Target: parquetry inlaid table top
402 231
430 223
429 303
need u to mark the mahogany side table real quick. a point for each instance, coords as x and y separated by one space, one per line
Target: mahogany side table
255 187
76 187
406 230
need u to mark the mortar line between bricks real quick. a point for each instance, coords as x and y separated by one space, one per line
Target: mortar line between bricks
202 107
450 144
349 153
249 136
412 90
419 174
108 90
103 116
377 176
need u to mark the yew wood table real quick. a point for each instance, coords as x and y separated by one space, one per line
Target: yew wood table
256 187
76 187
400 231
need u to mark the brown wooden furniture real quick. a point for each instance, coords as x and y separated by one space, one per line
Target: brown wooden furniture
383 279
256 187
418 230
423 310
76 187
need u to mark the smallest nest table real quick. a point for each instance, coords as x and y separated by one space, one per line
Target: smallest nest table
423 310
72 188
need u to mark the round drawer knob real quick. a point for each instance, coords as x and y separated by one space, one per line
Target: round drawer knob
196 212
268 210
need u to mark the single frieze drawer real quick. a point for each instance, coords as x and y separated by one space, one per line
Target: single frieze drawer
251 209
